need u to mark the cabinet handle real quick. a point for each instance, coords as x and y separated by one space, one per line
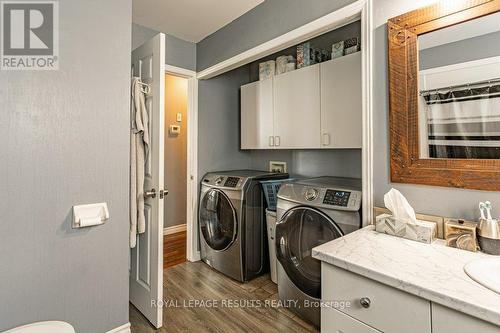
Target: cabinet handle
365 302
326 139
277 141
271 141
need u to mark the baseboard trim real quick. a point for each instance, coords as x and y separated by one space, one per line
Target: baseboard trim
174 229
122 329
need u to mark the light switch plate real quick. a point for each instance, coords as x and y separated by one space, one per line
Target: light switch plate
179 117
277 166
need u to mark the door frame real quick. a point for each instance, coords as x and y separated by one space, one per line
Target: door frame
192 252
361 9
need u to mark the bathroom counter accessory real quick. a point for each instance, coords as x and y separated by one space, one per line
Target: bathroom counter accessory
420 231
431 271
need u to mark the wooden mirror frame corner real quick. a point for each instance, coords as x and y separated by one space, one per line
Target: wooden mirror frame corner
406 164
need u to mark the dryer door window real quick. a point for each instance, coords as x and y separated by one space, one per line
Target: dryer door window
218 222
299 231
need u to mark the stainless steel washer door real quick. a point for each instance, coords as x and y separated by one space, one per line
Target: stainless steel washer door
299 231
218 220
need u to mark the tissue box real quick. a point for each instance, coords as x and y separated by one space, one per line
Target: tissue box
420 231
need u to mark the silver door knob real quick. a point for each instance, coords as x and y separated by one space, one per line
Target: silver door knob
365 302
163 193
150 194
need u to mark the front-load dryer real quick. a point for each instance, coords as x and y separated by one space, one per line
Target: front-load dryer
309 213
232 225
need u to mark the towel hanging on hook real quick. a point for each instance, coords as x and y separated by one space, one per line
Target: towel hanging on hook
145 88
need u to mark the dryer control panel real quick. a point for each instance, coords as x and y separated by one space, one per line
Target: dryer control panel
223 181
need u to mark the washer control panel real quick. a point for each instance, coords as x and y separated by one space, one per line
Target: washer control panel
337 198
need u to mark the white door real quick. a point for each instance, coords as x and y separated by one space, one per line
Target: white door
341 117
257 115
297 109
146 260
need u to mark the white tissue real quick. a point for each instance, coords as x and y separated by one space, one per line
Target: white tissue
89 221
399 206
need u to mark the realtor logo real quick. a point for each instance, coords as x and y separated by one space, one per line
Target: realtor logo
29 35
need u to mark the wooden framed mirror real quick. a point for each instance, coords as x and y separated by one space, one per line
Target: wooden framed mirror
444 91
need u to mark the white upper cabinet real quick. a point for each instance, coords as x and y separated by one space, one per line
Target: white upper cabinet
318 106
341 118
257 115
297 109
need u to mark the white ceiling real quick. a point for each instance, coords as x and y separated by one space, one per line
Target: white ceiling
191 20
470 29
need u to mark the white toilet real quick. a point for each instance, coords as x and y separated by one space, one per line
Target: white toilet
44 327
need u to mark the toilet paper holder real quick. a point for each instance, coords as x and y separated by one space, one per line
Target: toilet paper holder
90 215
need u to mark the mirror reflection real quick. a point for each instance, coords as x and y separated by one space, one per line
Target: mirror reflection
459 86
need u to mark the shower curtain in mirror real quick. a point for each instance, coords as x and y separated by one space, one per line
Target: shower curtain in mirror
464 123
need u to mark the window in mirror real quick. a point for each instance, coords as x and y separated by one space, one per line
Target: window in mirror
459 90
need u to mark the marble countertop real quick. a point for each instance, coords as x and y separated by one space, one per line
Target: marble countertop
431 271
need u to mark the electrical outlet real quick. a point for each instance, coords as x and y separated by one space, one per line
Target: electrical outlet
276 166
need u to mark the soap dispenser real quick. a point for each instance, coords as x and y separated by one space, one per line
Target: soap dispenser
488 233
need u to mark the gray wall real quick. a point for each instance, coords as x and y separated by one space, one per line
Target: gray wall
219 123
312 163
426 199
65 138
470 49
178 52
268 20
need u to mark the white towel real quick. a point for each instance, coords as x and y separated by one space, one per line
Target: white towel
139 150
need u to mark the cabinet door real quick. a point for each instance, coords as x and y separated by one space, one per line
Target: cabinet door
382 307
446 320
297 109
334 321
341 116
257 115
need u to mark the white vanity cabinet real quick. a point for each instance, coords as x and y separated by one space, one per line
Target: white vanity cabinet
446 320
257 115
379 306
341 102
297 109
376 307
334 321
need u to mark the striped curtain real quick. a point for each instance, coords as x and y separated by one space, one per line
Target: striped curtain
464 123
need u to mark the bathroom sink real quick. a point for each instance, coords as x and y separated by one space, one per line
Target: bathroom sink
485 272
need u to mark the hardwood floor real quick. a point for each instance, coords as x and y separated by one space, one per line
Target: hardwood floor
174 249
234 305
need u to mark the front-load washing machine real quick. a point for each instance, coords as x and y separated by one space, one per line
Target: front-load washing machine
309 213
232 223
